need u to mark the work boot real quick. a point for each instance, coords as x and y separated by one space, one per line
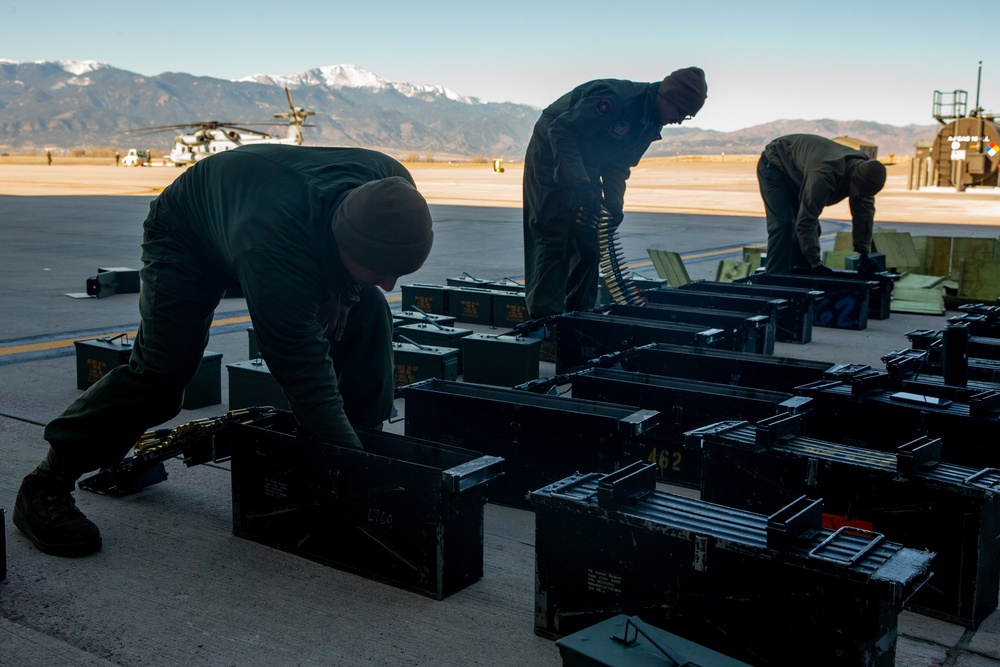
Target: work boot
46 512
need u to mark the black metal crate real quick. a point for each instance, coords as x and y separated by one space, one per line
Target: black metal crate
742 369
795 322
683 405
541 438
583 336
752 333
844 304
758 587
885 419
404 511
882 286
908 495
752 305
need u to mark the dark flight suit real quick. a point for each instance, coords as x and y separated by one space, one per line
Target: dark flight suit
594 134
799 175
257 217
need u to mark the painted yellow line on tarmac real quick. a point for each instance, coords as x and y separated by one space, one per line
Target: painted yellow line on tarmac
67 342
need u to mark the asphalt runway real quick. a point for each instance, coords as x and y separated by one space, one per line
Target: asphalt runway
174 586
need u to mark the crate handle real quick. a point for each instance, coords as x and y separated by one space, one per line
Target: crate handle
472 473
123 336
874 539
427 318
411 342
641 628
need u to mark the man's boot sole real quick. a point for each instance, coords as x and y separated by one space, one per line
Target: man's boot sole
71 550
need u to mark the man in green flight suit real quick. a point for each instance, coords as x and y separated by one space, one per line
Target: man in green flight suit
799 175
309 234
578 159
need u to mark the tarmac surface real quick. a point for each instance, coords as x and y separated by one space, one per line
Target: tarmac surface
174 586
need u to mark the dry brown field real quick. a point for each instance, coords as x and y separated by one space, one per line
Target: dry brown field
713 185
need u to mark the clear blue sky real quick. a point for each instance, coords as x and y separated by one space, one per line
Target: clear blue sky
764 60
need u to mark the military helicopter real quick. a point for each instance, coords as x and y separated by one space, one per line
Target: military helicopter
206 138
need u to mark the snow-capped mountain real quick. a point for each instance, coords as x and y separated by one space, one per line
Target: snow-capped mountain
352 76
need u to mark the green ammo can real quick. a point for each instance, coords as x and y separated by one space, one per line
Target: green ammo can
428 298
625 641
206 387
251 384
500 360
509 309
413 363
434 335
470 304
97 356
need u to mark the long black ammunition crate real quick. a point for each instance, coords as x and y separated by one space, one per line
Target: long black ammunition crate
404 511
751 305
741 369
905 373
881 289
541 438
982 319
753 333
795 322
885 419
844 304
758 587
980 347
582 336
683 405
928 362
908 495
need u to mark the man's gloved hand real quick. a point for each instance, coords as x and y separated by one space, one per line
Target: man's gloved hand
821 270
332 317
867 265
588 197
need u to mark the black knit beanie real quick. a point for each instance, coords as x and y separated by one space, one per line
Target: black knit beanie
869 177
686 88
385 226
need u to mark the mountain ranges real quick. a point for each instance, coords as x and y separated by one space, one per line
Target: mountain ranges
66 105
